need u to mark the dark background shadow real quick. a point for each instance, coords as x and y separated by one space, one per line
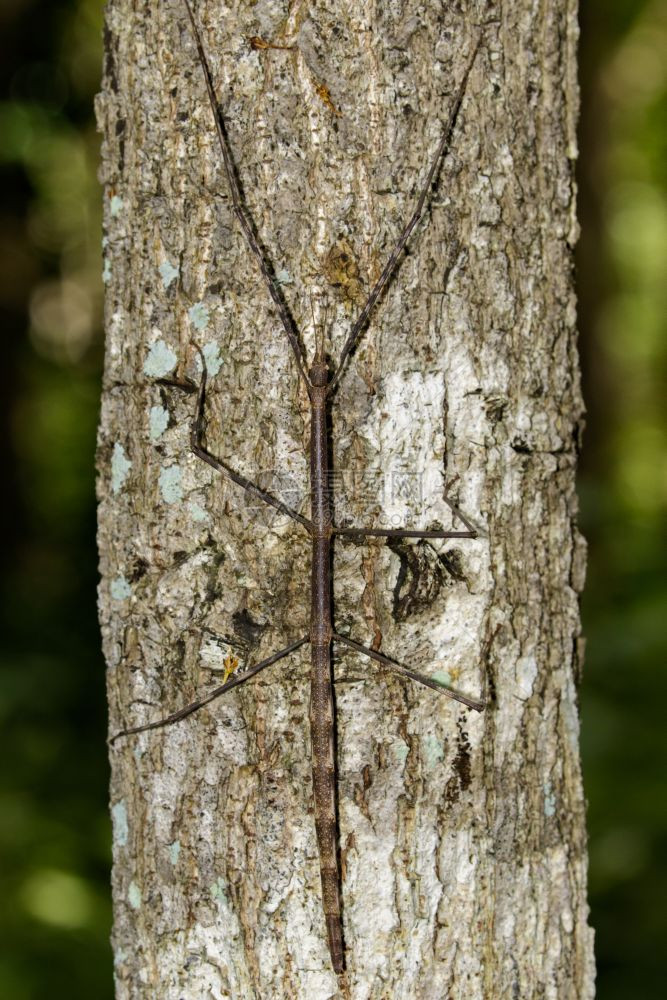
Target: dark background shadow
54 826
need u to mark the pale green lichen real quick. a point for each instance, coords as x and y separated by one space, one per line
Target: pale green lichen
120 589
549 800
401 750
442 677
174 851
119 823
199 315
134 895
106 272
158 422
212 357
120 467
218 890
116 205
197 512
526 674
160 361
284 277
168 273
434 751
170 484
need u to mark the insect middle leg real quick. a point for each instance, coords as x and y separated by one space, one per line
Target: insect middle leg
353 533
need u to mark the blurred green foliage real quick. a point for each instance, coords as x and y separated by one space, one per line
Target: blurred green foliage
622 268
54 827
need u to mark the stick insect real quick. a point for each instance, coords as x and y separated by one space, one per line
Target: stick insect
320 381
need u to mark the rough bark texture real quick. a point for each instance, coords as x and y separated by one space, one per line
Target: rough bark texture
462 836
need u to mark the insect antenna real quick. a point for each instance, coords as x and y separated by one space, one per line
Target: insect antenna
243 216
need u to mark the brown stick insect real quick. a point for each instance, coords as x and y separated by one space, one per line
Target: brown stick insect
320 381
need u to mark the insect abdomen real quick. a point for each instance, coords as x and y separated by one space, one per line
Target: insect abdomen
324 795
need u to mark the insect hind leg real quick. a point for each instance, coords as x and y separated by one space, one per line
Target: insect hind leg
414 675
194 706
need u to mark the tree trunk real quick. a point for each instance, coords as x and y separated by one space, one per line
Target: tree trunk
461 834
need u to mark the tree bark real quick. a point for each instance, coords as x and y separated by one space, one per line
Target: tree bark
462 835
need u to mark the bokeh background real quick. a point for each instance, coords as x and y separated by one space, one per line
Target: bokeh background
54 828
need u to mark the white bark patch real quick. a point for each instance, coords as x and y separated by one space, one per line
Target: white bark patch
213 654
119 822
120 467
526 673
410 484
134 895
